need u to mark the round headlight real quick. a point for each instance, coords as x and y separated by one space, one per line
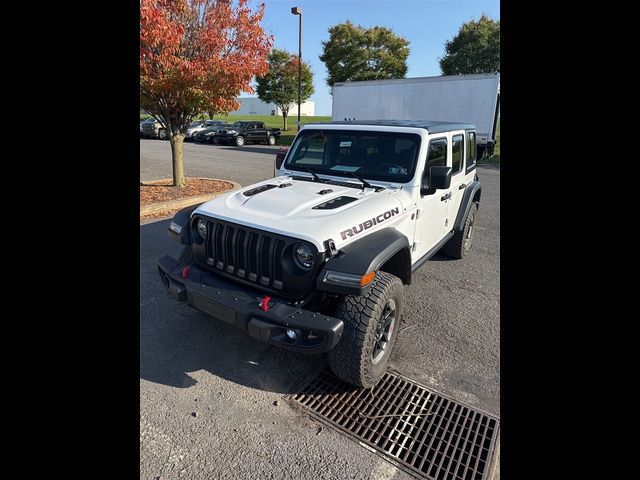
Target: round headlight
303 256
202 228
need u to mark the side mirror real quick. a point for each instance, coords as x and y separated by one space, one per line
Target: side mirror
439 179
280 156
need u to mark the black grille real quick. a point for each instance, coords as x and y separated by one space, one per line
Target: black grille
246 254
423 432
252 256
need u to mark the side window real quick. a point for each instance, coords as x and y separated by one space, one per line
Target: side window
436 156
471 151
456 153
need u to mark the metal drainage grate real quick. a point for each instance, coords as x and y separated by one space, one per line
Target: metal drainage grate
414 427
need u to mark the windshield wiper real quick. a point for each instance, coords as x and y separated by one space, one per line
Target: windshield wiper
365 184
315 176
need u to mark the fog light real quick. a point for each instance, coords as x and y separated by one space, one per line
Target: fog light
291 334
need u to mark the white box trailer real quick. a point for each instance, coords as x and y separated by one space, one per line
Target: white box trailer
453 98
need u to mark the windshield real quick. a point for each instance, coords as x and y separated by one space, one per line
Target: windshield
195 124
385 156
239 124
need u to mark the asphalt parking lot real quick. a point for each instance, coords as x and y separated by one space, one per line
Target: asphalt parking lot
207 391
245 165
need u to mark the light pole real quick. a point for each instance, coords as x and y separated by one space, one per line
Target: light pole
297 11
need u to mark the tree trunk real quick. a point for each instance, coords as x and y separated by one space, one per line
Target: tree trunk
284 117
176 141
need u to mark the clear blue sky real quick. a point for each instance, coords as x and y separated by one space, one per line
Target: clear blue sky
426 24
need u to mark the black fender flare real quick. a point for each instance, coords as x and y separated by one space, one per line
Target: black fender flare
181 221
473 189
364 255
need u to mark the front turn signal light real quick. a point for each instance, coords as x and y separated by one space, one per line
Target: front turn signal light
367 278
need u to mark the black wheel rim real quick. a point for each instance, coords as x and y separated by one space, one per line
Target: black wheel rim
384 332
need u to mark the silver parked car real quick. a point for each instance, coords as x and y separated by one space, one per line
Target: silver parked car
201 125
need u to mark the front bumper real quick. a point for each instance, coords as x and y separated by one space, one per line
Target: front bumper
238 306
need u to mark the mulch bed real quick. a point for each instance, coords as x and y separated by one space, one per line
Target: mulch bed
163 191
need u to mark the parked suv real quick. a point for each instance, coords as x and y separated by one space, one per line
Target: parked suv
151 128
317 259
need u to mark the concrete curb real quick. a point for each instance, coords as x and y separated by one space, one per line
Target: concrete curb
184 202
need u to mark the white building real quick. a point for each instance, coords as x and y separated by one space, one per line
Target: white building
255 106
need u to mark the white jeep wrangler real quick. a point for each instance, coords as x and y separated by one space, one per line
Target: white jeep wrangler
315 259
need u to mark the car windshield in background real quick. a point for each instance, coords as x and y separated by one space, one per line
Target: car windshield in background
240 124
195 124
384 156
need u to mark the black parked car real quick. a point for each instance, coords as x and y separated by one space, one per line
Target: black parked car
209 135
199 126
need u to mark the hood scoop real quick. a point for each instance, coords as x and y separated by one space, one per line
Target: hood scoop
335 203
260 189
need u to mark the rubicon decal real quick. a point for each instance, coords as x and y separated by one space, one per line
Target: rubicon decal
350 232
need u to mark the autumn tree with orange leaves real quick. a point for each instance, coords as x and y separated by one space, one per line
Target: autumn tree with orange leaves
197 56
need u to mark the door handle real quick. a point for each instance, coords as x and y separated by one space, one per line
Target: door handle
445 197
462 185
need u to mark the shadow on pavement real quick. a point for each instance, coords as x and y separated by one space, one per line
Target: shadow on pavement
177 340
441 257
253 149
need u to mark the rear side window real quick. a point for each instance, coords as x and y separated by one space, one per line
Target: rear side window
456 153
436 156
471 151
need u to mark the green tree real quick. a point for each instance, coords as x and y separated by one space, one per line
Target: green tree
280 84
357 53
475 49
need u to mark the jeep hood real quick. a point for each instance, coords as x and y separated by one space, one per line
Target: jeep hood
286 206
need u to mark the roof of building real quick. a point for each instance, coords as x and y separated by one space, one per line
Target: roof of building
433 126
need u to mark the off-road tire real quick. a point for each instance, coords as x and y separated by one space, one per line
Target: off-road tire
240 141
460 244
351 360
272 140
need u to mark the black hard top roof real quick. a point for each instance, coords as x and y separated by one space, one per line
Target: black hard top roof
433 126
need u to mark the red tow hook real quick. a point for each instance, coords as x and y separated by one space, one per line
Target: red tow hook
186 271
264 304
